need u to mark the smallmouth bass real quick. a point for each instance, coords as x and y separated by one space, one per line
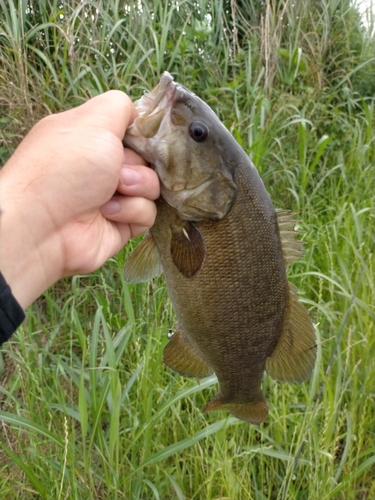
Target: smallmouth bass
223 250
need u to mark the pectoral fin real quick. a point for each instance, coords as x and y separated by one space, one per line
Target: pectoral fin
188 249
254 412
294 357
180 355
144 262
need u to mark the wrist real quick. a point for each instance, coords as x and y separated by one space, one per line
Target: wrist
27 247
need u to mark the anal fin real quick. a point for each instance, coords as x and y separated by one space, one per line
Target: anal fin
180 355
144 262
294 356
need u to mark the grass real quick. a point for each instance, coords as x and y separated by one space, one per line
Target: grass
87 408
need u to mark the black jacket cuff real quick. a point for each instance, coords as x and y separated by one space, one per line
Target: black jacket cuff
11 313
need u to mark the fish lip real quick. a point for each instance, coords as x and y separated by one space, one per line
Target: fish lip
166 78
170 93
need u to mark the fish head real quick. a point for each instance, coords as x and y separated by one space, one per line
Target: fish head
189 148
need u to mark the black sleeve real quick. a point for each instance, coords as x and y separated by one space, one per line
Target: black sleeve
11 313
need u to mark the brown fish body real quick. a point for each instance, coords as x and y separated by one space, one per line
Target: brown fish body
223 250
233 309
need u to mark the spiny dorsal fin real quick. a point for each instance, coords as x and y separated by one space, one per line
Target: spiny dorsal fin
292 248
188 249
144 262
180 355
294 357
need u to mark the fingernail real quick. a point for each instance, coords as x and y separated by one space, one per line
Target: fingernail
111 207
129 176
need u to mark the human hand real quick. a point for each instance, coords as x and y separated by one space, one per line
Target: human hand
59 213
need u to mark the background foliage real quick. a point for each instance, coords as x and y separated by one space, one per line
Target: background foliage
87 408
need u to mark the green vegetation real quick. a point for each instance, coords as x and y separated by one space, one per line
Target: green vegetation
87 409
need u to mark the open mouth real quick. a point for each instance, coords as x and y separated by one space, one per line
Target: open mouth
159 98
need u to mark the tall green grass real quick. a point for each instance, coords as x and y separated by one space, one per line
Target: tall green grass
87 408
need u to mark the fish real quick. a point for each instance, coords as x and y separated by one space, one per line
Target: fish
224 250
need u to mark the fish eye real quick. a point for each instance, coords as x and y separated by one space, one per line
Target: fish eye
198 131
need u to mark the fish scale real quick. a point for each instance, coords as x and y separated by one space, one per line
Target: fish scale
223 250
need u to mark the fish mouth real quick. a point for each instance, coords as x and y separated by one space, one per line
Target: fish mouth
152 108
164 96
159 98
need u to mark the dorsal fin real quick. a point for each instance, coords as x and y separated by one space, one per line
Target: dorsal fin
294 357
292 248
144 262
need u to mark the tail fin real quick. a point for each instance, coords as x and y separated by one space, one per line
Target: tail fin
254 412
